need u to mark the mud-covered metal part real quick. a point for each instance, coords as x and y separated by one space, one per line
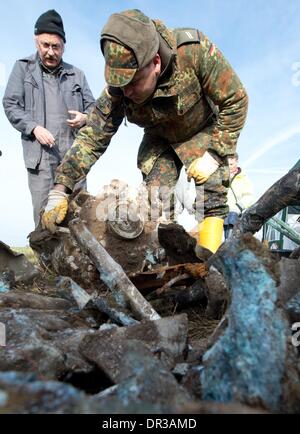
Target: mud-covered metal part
61 254
180 246
125 220
17 263
73 292
115 315
236 367
111 272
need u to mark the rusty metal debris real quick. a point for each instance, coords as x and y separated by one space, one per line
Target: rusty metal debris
167 276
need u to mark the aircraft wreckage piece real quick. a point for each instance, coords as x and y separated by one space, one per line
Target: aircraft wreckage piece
130 246
167 338
247 362
111 273
70 290
16 263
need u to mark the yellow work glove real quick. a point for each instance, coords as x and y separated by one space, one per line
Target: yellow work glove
202 168
55 211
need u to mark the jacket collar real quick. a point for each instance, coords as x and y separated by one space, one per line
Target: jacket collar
167 48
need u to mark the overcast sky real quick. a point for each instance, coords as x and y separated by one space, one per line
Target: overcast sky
260 38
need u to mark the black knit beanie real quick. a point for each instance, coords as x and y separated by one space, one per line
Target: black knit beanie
50 22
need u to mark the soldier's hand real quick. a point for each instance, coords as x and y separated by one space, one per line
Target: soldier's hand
78 120
202 168
55 211
43 136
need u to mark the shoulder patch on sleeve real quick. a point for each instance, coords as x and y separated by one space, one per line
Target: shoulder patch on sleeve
187 36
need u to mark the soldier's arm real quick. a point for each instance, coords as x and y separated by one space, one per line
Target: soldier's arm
222 85
92 140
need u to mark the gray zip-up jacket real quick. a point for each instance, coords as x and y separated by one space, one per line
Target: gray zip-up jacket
24 101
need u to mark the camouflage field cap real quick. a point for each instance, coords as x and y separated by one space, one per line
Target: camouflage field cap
129 41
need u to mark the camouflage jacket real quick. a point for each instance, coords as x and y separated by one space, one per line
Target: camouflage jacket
196 83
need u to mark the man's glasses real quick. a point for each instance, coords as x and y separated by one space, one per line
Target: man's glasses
46 46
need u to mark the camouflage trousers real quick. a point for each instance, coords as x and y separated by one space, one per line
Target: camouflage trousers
211 197
285 192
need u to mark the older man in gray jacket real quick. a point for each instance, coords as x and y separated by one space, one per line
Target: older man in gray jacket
47 100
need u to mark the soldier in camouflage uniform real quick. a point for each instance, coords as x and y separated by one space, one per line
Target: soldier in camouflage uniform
285 192
176 85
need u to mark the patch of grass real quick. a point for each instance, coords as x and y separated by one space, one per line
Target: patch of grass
28 252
